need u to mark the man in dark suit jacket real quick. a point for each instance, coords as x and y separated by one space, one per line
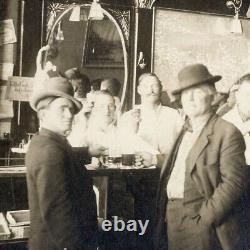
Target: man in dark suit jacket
61 198
202 184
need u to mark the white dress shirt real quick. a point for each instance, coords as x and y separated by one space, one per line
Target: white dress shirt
160 128
175 186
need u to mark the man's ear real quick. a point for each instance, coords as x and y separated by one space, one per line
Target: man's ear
236 95
214 98
41 114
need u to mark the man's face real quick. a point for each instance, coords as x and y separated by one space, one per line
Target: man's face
104 108
58 116
243 98
150 89
196 101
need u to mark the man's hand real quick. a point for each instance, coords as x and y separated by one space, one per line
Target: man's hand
144 159
130 120
97 150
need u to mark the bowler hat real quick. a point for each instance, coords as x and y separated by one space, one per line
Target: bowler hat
192 75
55 86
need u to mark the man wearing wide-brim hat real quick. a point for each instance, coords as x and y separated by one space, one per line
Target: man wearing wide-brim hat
61 198
202 184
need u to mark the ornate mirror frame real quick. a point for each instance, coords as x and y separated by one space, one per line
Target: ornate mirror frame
121 17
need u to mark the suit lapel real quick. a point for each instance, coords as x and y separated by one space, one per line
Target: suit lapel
200 144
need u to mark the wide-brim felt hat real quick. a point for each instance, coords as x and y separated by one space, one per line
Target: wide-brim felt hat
193 75
54 87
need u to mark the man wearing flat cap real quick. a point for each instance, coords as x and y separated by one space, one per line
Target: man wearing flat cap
61 198
202 184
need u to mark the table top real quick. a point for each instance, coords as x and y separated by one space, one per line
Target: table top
122 170
13 171
20 171
13 241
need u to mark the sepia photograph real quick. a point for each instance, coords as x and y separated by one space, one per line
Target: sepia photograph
124 125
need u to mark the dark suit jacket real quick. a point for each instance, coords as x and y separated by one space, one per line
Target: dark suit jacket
61 198
216 165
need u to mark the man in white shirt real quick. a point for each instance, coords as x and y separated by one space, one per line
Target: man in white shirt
103 132
156 124
239 115
101 126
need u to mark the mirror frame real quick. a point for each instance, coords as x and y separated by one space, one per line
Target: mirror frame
121 19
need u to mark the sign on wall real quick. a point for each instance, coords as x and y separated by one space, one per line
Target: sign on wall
19 88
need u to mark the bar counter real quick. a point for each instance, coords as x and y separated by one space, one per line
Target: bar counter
127 192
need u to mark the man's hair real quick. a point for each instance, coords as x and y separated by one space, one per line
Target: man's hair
113 85
245 77
96 84
146 75
75 74
210 88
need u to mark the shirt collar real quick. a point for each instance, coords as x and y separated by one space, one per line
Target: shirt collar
156 111
198 128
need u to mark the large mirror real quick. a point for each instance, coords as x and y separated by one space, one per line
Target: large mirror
98 48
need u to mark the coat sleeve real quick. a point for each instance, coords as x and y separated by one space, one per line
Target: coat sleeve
234 179
55 201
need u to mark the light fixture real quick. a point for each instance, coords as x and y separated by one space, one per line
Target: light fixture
59 36
95 12
248 12
236 26
141 61
76 14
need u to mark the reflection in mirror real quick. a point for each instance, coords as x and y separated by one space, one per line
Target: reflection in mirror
95 47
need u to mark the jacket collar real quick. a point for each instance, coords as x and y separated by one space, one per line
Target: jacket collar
201 143
53 135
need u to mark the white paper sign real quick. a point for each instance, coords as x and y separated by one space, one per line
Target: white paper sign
19 88
7 32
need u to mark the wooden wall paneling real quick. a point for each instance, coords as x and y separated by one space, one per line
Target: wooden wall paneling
144 44
31 44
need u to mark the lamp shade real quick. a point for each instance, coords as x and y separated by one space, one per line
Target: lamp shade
95 12
75 15
236 26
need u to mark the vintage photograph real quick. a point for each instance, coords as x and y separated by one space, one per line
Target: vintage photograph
124 125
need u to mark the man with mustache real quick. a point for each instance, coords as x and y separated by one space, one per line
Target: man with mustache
153 121
62 203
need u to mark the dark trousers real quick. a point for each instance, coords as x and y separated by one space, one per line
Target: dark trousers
188 233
